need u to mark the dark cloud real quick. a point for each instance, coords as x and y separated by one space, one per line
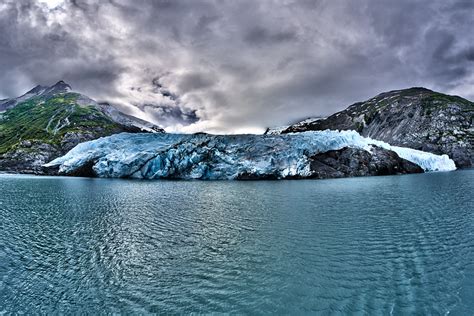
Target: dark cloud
259 35
232 66
195 81
462 5
468 54
170 115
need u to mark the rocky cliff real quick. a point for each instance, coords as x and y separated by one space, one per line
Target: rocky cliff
354 162
417 118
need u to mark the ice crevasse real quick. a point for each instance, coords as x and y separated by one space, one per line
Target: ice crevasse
204 156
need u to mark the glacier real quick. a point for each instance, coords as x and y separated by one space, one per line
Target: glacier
212 157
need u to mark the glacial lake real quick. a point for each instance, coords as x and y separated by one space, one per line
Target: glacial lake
379 245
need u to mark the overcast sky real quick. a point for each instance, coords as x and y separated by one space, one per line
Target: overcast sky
237 65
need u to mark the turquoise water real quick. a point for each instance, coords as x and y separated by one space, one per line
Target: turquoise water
379 245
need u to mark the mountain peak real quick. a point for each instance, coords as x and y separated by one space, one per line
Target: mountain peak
408 92
61 85
58 87
418 89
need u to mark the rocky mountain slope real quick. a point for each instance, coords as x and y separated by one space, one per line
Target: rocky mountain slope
46 122
417 118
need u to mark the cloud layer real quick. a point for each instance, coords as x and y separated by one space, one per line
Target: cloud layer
236 66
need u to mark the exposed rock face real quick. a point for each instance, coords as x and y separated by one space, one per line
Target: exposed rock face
354 162
417 118
47 122
28 157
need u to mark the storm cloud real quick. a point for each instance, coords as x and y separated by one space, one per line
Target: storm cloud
236 66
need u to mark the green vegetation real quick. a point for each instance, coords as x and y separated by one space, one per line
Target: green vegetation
369 116
437 101
429 100
440 100
49 119
415 91
359 126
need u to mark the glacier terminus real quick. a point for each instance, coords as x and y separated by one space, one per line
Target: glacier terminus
216 157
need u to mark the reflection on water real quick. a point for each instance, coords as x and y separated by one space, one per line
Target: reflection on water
373 245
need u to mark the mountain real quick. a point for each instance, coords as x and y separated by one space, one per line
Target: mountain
417 118
318 154
279 129
46 122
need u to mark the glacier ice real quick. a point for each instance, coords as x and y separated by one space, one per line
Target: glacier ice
204 156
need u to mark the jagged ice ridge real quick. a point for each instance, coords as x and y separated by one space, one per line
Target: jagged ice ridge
203 156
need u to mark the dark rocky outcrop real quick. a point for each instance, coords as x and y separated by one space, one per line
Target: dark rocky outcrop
29 157
417 118
353 162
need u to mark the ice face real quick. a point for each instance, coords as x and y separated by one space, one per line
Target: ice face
202 156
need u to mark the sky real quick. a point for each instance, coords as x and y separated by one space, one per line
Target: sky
236 66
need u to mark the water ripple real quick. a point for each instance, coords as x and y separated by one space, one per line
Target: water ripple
384 245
